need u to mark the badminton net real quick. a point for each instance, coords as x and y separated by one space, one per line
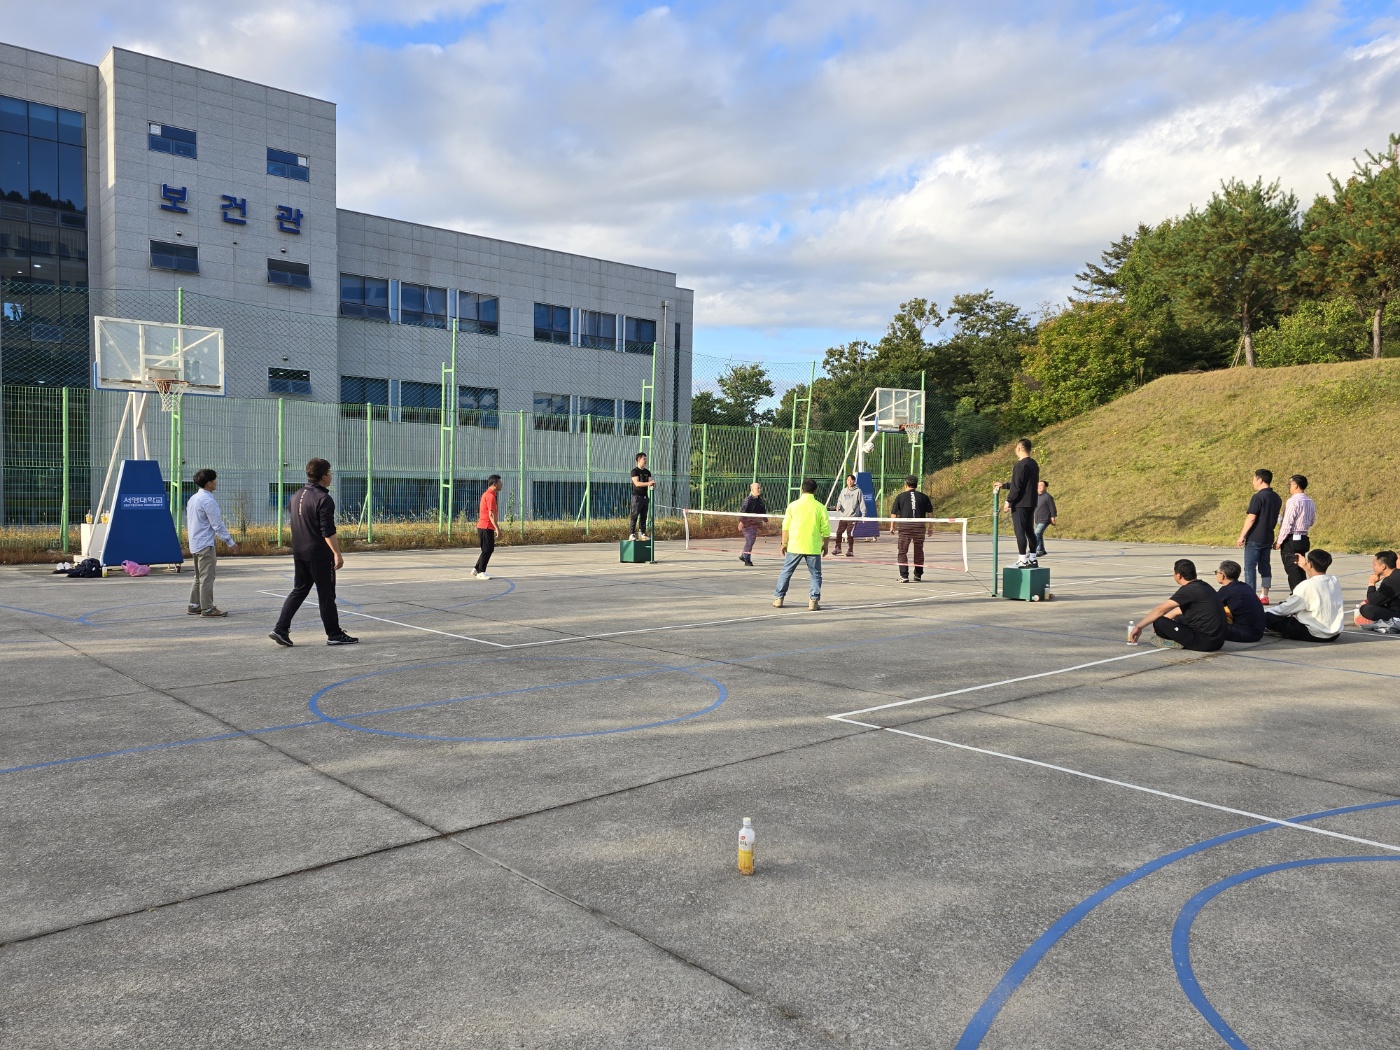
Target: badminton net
944 540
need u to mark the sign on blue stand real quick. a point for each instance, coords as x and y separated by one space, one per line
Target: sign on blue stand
140 528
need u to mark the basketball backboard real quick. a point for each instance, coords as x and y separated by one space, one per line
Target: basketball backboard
133 355
897 409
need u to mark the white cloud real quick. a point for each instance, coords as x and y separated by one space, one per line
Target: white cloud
809 163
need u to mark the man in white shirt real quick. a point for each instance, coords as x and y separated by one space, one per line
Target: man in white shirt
1313 612
203 523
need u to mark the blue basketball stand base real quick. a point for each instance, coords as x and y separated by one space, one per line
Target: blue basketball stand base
1024 585
141 528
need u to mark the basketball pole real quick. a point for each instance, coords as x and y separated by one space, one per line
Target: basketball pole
177 452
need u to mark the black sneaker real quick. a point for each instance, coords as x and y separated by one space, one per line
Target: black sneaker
342 639
281 638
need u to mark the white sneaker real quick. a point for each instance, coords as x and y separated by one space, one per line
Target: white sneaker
481 576
631 537
642 536
1021 562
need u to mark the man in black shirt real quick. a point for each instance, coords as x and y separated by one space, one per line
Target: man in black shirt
642 484
753 504
912 506
1021 500
1382 604
1190 619
1257 533
1244 613
315 556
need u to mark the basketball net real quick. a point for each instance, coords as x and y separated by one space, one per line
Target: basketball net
170 390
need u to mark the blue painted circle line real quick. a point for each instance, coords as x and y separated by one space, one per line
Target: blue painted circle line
1191 910
986 1014
647 669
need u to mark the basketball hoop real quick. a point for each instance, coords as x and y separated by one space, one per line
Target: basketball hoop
170 390
912 431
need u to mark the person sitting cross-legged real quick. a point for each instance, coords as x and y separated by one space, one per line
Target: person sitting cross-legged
1243 609
1192 618
1313 612
1382 605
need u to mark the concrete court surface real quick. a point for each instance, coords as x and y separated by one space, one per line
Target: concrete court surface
508 817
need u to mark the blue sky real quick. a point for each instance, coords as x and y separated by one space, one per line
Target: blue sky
804 165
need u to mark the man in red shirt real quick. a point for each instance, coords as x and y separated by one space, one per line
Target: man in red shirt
487 526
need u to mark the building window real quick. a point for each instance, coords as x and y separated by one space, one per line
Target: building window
164 138
602 412
552 412
423 306
551 323
292 274
364 297
597 330
287 165
639 336
420 402
478 406
632 417
183 258
478 313
358 391
288 381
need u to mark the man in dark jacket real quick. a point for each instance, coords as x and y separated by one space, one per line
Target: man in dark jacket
1045 515
753 504
1244 612
910 510
1020 502
1382 604
315 556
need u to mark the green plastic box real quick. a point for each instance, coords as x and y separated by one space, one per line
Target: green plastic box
1025 585
634 551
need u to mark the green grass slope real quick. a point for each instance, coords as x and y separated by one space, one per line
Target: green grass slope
1173 461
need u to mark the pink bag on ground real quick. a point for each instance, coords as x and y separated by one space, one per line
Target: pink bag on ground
134 569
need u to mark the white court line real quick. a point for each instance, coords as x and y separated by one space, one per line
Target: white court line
992 685
1124 784
413 626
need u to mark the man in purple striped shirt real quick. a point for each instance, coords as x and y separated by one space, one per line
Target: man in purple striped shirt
1299 513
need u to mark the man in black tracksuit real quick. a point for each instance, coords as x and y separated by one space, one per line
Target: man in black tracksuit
315 556
1020 501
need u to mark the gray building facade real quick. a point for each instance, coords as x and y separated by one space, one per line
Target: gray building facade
144 188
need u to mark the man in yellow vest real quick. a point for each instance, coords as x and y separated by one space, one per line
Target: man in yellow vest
806 533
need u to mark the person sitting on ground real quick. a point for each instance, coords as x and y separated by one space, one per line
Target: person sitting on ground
1313 612
1192 618
1382 605
1244 612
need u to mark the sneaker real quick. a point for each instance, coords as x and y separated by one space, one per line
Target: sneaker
1263 599
918 579
1022 562
643 536
342 639
194 610
481 576
904 579
777 603
813 604
215 611
281 638
1165 643
1041 554
850 554
631 536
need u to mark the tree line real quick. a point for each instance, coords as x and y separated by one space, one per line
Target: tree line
1248 279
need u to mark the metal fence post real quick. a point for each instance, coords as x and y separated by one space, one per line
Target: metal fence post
281 462
996 533
757 433
588 475
63 507
704 462
369 473
522 474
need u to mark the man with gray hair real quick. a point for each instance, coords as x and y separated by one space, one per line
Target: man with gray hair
850 505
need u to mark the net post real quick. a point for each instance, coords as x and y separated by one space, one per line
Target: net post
64 509
996 531
369 473
177 456
281 464
704 462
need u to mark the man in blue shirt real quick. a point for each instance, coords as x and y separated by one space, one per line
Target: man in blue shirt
1243 609
203 523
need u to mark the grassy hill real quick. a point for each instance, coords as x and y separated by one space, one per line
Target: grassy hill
1173 461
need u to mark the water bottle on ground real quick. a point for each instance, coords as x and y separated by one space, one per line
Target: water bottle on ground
746 839
1130 633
